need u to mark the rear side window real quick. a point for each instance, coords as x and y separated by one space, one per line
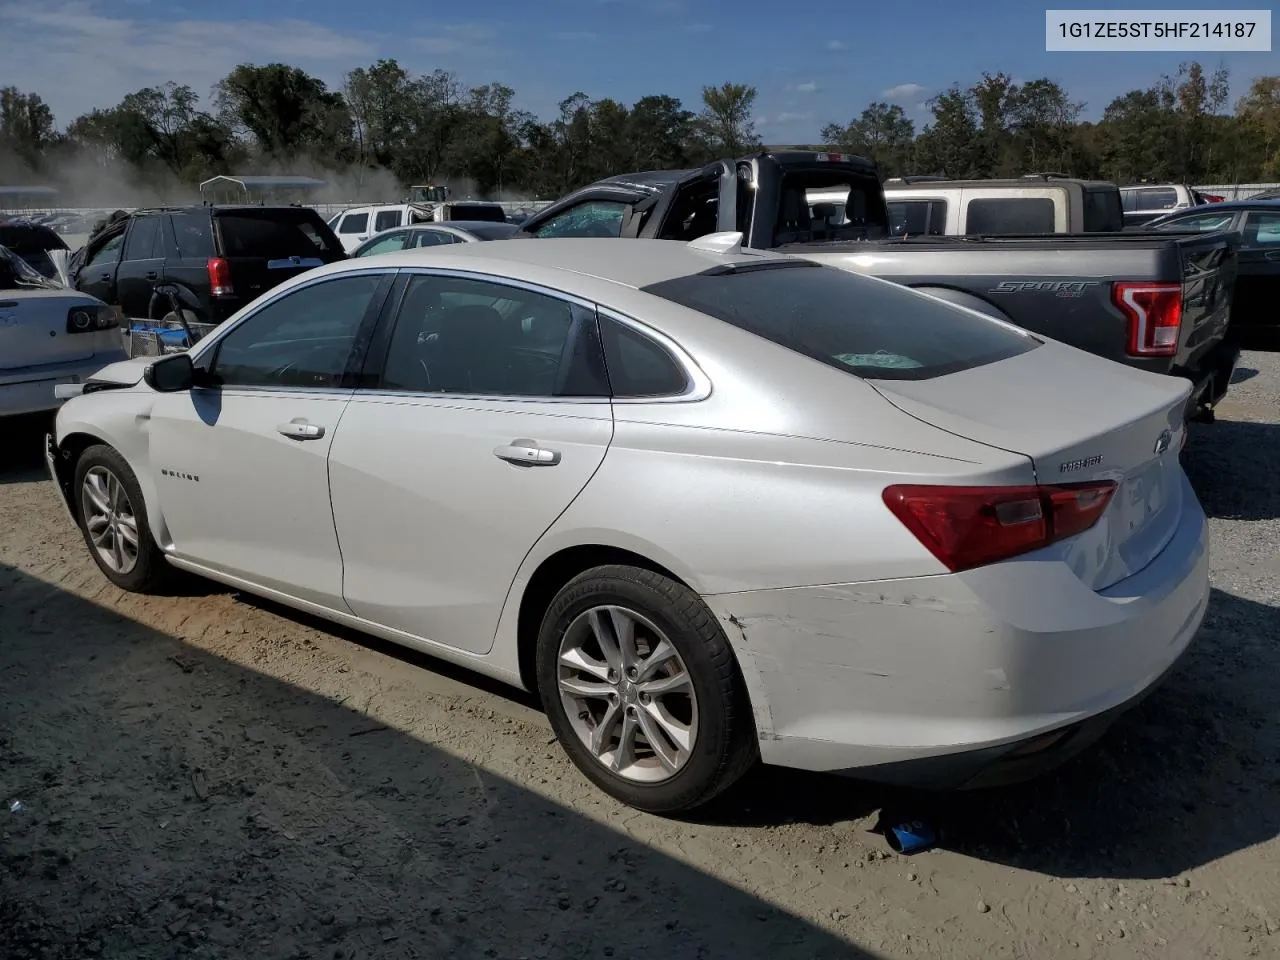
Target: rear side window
637 365
1103 212
144 240
385 220
194 234
275 234
1157 198
1009 215
865 327
918 218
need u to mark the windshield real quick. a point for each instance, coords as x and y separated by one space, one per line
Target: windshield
867 327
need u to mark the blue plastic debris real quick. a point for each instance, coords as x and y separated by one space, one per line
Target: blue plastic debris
912 836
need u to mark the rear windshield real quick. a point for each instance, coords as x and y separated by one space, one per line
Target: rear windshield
479 211
276 234
865 327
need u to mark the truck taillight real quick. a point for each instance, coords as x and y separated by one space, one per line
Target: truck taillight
220 277
1154 311
968 527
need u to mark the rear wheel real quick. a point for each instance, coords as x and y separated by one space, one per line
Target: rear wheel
113 519
642 689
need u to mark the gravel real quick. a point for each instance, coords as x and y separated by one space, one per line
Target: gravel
189 785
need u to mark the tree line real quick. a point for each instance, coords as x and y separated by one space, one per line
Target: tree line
430 128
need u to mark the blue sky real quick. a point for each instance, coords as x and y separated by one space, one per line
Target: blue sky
813 64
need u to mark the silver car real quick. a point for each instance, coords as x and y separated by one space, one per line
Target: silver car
713 505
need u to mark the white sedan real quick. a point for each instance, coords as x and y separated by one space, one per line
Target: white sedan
713 505
49 335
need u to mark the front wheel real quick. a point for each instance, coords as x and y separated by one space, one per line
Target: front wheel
113 519
642 689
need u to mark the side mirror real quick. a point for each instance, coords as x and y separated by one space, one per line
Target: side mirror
171 374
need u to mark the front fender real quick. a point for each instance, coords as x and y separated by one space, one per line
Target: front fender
120 419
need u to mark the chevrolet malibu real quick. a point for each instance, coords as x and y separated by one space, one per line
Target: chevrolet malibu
715 506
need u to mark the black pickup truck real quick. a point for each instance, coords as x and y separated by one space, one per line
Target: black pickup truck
1149 300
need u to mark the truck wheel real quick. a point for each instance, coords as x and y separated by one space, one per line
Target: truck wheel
113 519
642 689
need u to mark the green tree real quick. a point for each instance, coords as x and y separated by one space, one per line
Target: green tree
725 123
883 133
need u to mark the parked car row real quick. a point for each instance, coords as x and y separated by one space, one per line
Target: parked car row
759 478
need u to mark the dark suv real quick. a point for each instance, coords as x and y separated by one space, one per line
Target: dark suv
209 260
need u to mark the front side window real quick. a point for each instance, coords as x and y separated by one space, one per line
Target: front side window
1157 198
862 326
109 252
595 218
304 338
354 223
144 240
917 218
463 336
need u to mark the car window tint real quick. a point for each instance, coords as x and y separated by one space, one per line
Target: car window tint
1201 223
143 239
1262 230
917 218
863 326
302 339
595 218
385 220
109 252
394 241
275 233
1103 211
354 223
194 234
1157 198
639 366
454 335
428 238
1009 215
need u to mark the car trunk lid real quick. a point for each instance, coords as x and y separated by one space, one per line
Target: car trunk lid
1085 420
33 330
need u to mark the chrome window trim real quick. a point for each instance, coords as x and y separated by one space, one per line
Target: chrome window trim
697 383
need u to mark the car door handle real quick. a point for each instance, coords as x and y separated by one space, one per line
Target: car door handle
527 453
299 429
151 275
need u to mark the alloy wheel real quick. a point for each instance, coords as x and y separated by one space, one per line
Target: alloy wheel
109 519
627 694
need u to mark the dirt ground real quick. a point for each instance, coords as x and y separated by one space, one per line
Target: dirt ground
211 776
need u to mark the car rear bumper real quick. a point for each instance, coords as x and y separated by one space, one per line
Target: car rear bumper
990 675
33 392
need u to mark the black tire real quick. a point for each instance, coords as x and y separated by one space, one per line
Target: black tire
151 572
725 746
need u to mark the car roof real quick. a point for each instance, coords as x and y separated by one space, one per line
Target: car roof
460 224
631 263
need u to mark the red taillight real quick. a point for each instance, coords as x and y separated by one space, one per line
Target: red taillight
1212 198
967 527
1155 316
219 277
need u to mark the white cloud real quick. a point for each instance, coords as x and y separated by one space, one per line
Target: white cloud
806 87
837 45
903 91
82 54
